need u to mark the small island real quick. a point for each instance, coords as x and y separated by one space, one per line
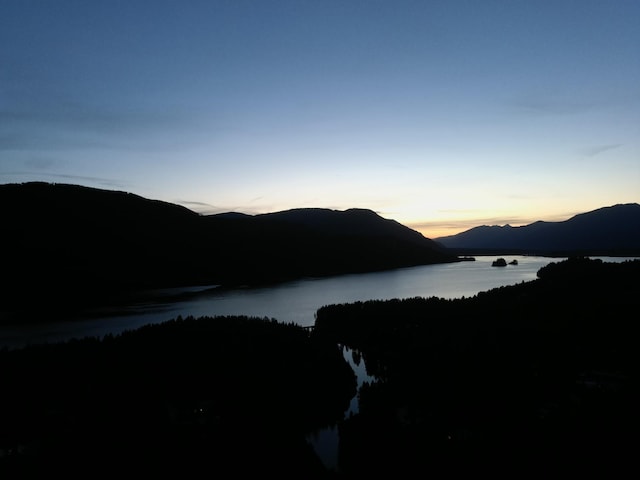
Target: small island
500 262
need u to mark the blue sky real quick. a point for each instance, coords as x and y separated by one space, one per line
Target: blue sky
442 115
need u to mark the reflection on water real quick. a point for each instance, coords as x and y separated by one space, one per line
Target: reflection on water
355 360
295 301
326 441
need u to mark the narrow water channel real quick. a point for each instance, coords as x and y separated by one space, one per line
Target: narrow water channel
326 441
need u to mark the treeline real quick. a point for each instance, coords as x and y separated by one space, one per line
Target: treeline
530 380
186 397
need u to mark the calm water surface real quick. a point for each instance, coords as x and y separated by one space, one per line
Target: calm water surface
297 301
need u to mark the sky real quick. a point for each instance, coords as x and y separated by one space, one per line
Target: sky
442 115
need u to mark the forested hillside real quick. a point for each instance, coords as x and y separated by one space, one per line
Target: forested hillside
68 246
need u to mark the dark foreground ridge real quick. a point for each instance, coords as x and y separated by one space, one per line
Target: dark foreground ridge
66 246
228 397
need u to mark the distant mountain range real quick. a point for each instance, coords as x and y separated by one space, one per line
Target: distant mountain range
70 245
613 230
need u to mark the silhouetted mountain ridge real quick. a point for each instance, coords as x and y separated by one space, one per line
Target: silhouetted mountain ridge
70 245
613 230
350 222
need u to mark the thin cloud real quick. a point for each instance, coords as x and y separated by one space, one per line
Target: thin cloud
458 211
65 122
41 163
550 107
194 203
466 224
456 226
75 179
200 207
551 103
598 149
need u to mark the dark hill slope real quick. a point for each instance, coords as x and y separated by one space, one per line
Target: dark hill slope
351 240
613 230
311 242
67 245
72 245
353 222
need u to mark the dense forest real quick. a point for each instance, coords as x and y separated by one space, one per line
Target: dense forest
188 397
534 379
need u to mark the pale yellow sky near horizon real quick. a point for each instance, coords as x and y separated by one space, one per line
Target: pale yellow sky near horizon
435 229
452 224
445 223
441 115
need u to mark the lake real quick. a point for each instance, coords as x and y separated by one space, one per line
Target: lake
296 301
